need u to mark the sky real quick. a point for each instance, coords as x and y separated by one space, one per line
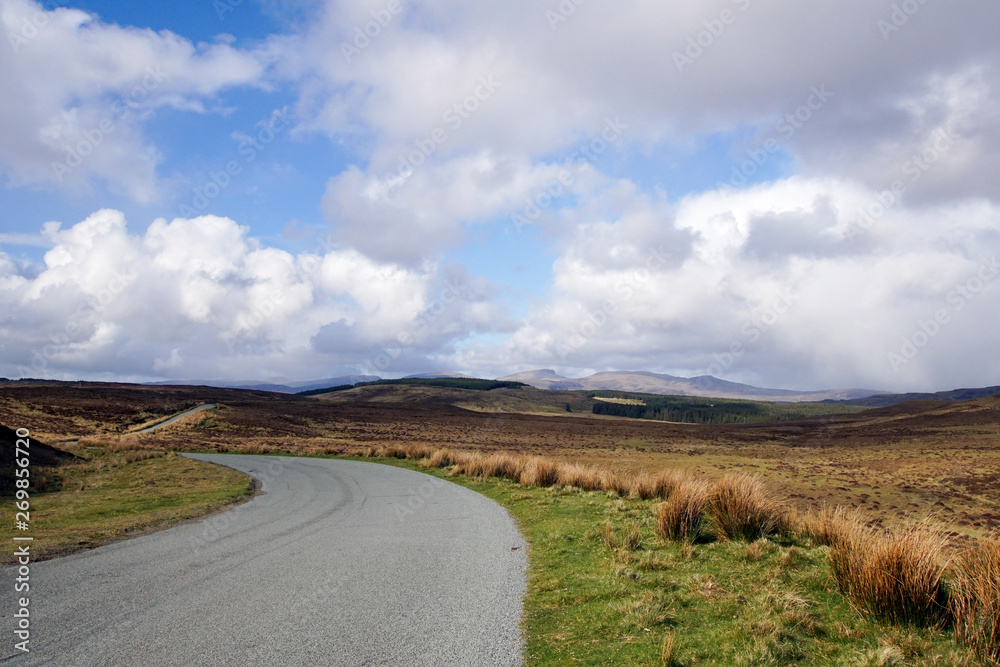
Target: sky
796 195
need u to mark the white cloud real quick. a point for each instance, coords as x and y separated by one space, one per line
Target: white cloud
619 60
201 298
413 216
825 307
458 114
76 92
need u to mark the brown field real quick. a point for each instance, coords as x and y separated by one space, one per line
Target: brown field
917 459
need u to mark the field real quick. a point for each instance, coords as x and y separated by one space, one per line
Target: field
605 589
104 496
913 459
608 582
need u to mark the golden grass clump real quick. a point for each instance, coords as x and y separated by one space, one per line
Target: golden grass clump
391 452
668 651
135 456
116 443
668 480
539 471
493 465
442 458
579 476
896 574
742 509
618 482
828 525
644 486
682 515
417 452
975 598
649 485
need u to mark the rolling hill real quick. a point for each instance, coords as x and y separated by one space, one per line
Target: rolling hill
656 383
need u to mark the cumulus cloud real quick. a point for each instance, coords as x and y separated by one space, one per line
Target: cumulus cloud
76 91
203 298
780 281
416 213
878 214
854 91
672 69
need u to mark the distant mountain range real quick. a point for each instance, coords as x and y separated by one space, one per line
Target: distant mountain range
656 383
435 376
639 382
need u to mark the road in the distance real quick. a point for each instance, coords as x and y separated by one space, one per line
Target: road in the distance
168 422
336 563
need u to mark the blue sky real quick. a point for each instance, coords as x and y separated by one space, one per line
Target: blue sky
600 207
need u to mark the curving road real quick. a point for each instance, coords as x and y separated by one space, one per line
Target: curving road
168 422
336 563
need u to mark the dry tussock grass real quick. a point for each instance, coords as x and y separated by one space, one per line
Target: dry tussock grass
539 472
668 651
896 574
579 476
682 515
829 525
649 485
614 481
442 458
975 602
743 509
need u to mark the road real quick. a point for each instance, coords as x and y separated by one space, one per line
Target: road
335 563
168 422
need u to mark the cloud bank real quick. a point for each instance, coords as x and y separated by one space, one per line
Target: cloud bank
788 194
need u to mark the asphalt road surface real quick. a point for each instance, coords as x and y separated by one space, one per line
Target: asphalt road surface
336 563
157 427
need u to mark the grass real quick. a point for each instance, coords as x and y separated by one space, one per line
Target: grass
118 494
891 462
617 577
976 598
943 459
682 515
606 588
896 574
742 508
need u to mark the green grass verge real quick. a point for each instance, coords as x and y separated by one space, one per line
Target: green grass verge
595 599
117 495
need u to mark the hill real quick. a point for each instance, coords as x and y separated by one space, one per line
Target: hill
882 400
918 456
657 383
522 400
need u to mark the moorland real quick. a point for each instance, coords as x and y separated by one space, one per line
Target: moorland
617 575
913 459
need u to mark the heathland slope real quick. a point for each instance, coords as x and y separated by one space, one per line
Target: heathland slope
657 383
911 458
527 400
